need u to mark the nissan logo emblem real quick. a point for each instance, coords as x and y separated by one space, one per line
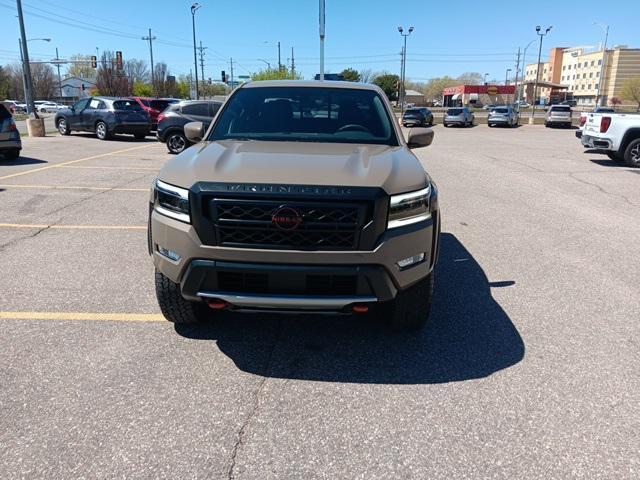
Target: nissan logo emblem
286 218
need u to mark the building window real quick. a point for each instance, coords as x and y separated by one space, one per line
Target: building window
593 62
589 87
569 67
564 67
599 62
582 87
591 75
597 86
584 75
597 74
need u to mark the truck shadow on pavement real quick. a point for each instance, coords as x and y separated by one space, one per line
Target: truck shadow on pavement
20 161
469 336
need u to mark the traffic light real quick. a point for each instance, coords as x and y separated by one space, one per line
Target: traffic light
119 65
94 62
224 76
83 87
209 82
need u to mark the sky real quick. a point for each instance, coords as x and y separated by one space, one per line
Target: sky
449 38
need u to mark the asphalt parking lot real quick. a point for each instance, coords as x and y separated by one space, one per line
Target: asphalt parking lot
529 368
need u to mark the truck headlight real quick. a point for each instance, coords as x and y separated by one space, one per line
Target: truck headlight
408 208
172 201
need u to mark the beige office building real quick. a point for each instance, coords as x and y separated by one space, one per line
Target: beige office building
574 73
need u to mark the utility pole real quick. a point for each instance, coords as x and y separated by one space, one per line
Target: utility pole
59 78
293 65
322 24
535 86
194 8
201 49
404 67
153 74
232 83
279 62
24 76
25 64
517 93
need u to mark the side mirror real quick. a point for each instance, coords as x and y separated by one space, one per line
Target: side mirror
419 137
194 131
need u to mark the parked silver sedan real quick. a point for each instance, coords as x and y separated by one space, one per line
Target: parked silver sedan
458 116
506 115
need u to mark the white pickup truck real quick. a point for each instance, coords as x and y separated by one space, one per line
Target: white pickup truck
616 133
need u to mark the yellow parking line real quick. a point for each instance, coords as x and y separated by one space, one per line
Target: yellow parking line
110 168
74 227
111 317
72 187
57 165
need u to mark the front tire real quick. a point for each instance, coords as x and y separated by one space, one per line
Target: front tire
101 131
632 154
177 142
173 305
409 311
63 127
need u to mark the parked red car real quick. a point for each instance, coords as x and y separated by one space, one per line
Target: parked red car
154 106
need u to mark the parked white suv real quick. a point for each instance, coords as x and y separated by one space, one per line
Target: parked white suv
618 134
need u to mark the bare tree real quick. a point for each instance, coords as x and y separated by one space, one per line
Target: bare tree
83 68
367 75
165 83
45 83
109 80
136 71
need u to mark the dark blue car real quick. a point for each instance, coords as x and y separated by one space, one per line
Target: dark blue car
105 116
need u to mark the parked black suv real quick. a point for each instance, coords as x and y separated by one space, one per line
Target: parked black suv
171 122
417 117
105 116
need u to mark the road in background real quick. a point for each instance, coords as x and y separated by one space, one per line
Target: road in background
529 368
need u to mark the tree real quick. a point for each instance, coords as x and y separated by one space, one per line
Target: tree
631 91
434 87
45 83
388 82
16 89
275 74
5 83
141 89
183 89
367 75
82 69
351 75
470 78
136 71
209 90
109 80
615 101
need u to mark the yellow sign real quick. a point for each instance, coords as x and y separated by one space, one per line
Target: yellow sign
492 90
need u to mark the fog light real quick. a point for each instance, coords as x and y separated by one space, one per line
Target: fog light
407 262
171 255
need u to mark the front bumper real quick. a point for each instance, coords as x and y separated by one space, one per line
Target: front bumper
293 279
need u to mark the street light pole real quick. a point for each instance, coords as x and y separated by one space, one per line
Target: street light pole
404 68
535 87
268 64
599 96
25 63
194 8
524 66
484 80
506 77
322 31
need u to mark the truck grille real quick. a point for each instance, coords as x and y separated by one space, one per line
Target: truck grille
319 226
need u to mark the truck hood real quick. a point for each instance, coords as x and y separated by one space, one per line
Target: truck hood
395 169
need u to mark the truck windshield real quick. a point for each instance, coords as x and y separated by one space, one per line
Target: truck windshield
305 114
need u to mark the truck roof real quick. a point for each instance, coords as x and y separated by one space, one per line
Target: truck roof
310 84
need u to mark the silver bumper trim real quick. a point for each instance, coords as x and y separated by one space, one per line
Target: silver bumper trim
295 302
